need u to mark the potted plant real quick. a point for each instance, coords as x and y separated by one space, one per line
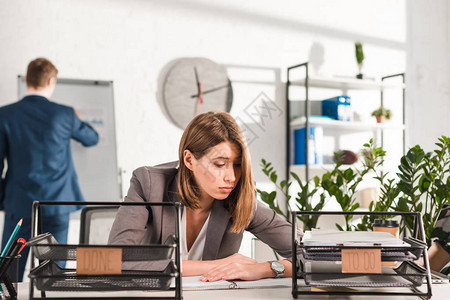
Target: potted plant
359 54
339 183
342 185
382 114
373 160
422 185
303 198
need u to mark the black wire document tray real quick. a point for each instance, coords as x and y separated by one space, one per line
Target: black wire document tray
410 251
320 261
406 275
48 276
105 268
45 247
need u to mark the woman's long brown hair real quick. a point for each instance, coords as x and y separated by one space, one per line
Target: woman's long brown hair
204 132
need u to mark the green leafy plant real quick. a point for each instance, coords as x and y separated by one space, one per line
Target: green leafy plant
382 111
270 197
303 198
359 54
342 184
373 160
422 185
425 186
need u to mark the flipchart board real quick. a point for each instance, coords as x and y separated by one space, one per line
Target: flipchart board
96 166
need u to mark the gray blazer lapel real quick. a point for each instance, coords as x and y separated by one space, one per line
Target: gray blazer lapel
218 223
168 213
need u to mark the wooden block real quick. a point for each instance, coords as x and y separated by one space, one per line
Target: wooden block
99 261
361 261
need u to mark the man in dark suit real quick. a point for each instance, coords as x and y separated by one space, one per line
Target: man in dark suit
35 136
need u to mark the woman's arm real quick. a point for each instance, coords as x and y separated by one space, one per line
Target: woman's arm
236 266
195 268
272 229
269 227
237 270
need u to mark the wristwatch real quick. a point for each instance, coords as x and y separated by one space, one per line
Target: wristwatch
277 267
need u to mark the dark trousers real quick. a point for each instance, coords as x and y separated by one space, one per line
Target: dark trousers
57 225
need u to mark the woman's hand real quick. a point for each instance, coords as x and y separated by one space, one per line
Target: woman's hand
236 266
236 270
237 258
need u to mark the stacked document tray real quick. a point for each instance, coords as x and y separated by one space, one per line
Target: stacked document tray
321 251
49 276
319 262
136 267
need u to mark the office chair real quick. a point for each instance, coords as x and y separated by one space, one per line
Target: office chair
96 223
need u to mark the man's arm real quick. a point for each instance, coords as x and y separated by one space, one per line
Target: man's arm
83 132
2 166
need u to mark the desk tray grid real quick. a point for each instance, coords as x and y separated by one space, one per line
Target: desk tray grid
50 277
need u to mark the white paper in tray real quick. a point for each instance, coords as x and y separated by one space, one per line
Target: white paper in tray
320 237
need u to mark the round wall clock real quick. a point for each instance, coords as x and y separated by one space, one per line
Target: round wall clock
194 85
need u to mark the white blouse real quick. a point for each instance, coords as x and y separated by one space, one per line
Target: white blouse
196 251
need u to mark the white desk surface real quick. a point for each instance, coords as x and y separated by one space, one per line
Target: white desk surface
440 291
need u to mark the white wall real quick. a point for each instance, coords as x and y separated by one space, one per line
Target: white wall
428 72
130 41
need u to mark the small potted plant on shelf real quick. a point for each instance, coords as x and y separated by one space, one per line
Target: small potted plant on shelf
382 114
359 53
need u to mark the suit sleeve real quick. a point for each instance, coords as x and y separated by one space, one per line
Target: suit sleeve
272 229
83 132
130 224
2 166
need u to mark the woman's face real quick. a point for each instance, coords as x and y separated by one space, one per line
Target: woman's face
218 171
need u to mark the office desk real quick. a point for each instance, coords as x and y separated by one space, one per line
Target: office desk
440 291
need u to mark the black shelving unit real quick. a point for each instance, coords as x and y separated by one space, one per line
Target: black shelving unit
412 276
48 276
342 84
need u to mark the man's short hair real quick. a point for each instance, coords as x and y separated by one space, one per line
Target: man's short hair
39 72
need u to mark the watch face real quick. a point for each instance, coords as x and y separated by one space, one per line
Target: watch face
193 86
277 267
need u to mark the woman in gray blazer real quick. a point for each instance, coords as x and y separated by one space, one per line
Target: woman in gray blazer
213 180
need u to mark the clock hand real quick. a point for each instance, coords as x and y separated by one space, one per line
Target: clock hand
211 90
199 106
196 80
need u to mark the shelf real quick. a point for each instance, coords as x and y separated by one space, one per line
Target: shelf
335 124
346 83
299 169
333 129
319 170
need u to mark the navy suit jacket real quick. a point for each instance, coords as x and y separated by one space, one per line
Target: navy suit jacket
35 136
